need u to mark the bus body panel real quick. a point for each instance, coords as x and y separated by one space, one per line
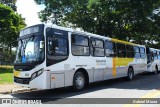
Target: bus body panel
61 74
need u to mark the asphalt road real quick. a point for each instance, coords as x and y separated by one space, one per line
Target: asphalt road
114 91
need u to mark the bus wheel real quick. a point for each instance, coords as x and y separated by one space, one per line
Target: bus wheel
130 74
156 70
79 81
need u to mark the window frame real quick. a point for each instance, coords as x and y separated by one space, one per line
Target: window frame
80 45
137 52
142 53
97 47
114 48
156 54
129 51
54 59
67 43
117 50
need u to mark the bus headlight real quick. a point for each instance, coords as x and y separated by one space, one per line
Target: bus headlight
36 74
39 72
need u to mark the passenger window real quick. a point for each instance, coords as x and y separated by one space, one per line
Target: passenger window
142 52
110 49
121 50
136 52
155 55
158 55
130 52
79 40
80 45
97 47
57 46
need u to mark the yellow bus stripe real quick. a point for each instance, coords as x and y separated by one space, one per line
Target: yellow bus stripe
114 67
121 41
120 62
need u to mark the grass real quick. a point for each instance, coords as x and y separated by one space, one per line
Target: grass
6 75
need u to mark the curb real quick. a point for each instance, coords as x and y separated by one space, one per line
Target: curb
13 91
20 90
6 92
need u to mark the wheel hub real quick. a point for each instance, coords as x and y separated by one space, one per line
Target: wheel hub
79 81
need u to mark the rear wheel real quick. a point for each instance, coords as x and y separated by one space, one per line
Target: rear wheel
130 74
79 81
156 70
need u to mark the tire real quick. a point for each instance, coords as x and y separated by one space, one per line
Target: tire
130 74
156 70
79 81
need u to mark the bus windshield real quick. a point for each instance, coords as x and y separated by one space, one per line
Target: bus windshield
30 49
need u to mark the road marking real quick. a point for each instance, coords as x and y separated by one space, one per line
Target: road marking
152 94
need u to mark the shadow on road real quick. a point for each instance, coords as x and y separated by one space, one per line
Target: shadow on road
144 81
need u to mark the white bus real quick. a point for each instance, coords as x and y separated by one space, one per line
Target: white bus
51 57
153 60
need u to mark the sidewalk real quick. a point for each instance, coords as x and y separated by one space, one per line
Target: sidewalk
9 88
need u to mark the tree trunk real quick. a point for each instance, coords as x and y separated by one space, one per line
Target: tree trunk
10 49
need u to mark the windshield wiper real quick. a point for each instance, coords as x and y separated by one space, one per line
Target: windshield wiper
29 38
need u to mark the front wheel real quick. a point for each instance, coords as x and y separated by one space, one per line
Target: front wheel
130 74
79 81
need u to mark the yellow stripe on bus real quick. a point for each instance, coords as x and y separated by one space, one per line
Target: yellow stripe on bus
121 41
120 62
114 67
123 61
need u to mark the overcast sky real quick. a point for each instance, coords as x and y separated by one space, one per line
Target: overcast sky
29 10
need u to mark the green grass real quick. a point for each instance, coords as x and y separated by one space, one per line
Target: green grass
6 75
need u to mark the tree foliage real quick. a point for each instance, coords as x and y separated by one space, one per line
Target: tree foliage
131 20
10 3
10 25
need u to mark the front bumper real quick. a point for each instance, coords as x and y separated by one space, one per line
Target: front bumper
40 82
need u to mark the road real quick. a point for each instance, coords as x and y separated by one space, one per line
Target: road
144 85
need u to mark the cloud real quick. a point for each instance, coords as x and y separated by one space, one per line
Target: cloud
29 10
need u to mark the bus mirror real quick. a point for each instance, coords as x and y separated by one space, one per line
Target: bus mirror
41 44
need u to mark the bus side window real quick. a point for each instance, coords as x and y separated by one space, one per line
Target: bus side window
110 49
80 45
155 55
136 51
158 55
57 46
121 50
130 52
97 47
142 52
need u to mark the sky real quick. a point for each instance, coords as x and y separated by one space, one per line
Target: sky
29 10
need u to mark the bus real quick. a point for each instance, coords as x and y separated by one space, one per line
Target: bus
153 60
50 56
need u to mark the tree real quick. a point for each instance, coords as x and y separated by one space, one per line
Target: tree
10 3
10 25
123 19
